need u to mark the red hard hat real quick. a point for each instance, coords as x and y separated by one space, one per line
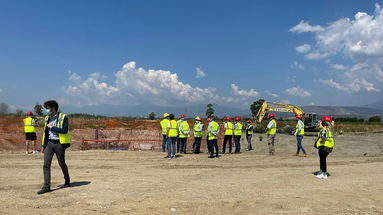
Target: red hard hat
298 116
227 118
29 113
249 121
327 119
237 118
271 115
208 119
182 115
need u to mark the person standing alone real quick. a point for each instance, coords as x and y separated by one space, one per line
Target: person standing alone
249 134
228 126
55 140
237 134
212 134
30 133
271 131
299 133
198 133
164 124
325 145
184 130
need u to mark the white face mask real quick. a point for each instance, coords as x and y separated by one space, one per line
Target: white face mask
46 111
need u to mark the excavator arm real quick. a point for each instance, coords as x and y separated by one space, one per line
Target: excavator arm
278 108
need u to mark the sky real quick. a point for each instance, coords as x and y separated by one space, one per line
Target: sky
177 53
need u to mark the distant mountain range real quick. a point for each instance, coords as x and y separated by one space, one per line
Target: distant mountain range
199 110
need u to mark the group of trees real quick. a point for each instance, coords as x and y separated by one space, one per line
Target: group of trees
4 109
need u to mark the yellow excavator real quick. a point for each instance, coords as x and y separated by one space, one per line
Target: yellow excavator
312 124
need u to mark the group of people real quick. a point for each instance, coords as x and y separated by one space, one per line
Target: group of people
56 138
175 135
176 132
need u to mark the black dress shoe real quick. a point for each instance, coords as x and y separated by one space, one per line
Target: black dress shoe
43 190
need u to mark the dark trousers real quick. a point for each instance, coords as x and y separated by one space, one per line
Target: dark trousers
237 141
178 144
183 142
322 158
299 144
249 145
197 145
207 142
213 145
164 139
227 138
50 150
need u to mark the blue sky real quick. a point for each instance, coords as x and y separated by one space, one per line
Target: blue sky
148 52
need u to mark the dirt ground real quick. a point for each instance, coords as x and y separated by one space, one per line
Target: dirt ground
143 182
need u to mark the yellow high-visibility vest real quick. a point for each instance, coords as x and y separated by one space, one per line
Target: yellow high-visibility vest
302 131
238 129
198 126
229 128
215 129
64 138
327 141
29 126
250 129
164 125
184 129
173 129
273 129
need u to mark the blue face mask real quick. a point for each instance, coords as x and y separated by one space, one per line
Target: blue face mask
46 112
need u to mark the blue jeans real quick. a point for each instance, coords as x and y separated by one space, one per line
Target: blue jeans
299 144
164 139
171 143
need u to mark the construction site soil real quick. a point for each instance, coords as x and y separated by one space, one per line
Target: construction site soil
144 182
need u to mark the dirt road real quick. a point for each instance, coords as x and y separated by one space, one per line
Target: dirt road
133 182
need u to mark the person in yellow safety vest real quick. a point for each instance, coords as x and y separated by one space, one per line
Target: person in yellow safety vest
249 134
184 130
299 133
271 131
172 134
198 133
164 124
55 140
30 133
237 134
178 126
228 126
212 134
325 145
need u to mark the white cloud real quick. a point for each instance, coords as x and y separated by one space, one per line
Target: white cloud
136 85
334 84
318 55
303 48
285 101
74 77
199 73
305 27
358 39
338 66
272 94
299 92
297 65
248 93
356 86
